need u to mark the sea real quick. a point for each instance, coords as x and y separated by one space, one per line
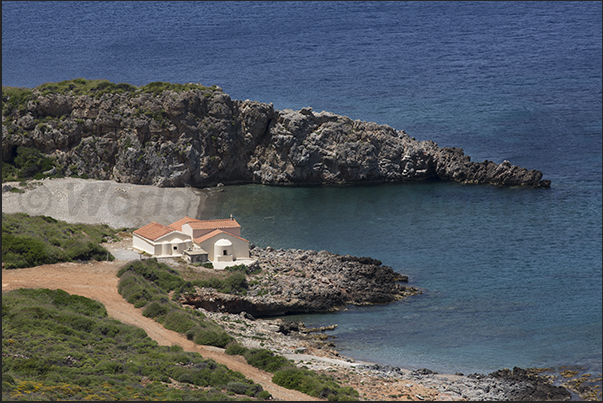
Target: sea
510 276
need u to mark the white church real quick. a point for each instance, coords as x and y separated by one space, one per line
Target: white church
218 241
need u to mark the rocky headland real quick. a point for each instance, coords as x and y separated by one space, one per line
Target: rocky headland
190 135
305 281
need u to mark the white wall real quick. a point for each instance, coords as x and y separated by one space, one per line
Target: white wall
143 245
174 243
163 246
240 248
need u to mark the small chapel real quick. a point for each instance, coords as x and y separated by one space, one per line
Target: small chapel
218 241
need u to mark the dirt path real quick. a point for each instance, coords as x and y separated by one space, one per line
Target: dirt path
98 281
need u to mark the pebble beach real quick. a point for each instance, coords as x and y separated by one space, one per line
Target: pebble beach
88 201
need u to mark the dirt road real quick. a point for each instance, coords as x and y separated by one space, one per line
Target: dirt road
99 281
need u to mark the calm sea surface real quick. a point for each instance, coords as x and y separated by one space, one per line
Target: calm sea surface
512 277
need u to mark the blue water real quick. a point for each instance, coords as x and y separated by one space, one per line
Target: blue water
512 277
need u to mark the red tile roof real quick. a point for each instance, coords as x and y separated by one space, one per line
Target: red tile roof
213 224
153 231
212 234
178 224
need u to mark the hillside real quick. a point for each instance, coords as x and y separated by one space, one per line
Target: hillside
32 241
190 135
57 346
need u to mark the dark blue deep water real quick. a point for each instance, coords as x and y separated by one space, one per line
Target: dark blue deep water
512 277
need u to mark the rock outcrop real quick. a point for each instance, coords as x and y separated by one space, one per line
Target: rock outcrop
202 137
503 385
305 281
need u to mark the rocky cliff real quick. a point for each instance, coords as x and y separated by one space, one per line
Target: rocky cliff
199 137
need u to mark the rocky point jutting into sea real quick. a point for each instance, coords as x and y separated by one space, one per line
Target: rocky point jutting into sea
198 136
305 281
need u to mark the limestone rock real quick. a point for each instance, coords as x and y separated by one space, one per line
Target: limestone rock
302 281
201 138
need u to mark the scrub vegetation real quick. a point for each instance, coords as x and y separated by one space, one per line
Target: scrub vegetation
17 98
288 375
29 163
57 346
146 284
29 241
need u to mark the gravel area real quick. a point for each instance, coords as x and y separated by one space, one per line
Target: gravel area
90 201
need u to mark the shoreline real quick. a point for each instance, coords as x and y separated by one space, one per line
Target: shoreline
376 381
126 205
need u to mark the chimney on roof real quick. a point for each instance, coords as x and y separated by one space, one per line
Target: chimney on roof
231 216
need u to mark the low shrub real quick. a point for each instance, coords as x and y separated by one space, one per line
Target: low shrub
160 274
235 349
313 384
243 268
266 360
217 338
237 387
155 309
235 282
178 321
27 163
15 99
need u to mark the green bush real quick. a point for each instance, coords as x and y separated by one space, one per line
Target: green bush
217 338
155 309
27 163
235 349
236 282
31 367
243 268
312 384
15 99
80 86
23 251
190 334
266 360
107 329
160 274
157 87
178 321
186 378
237 387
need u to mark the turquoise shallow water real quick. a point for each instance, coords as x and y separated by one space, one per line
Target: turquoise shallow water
512 276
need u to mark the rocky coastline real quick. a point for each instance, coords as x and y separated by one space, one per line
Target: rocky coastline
315 349
305 281
200 137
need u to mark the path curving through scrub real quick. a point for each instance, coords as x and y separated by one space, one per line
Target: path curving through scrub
98 281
